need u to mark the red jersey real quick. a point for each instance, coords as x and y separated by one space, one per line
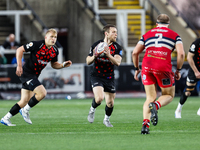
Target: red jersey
159 43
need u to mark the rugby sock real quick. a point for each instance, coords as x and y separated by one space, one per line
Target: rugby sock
179 107
33 101
183 98
106 117
158 105
94 104
8 115
146 122
13 111
108 110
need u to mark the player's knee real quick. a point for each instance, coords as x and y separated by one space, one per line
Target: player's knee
44 93
171 98
110 104
99 99
189 89
41 95
187 93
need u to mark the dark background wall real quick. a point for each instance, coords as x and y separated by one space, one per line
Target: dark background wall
76 25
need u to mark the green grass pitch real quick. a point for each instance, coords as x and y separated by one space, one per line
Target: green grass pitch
63 125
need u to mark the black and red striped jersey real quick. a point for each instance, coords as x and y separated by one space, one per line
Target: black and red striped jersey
102 66
40 55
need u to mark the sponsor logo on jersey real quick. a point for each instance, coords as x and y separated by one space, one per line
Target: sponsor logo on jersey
29 45
103 59
159 30
192 47
42 62
159 53
144 77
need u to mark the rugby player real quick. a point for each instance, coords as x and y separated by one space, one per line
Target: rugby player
102 74
159 43
193 77
32 92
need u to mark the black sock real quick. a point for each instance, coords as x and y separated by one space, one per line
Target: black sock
183 98
94 104
108 110
33 101
15 109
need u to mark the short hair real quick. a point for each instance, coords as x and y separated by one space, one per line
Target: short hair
51 30
106 28
163 19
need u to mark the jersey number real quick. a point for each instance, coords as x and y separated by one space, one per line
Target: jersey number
159 35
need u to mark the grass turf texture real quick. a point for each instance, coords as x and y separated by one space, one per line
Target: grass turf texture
62 124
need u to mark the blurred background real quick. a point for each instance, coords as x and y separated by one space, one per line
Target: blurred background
79 24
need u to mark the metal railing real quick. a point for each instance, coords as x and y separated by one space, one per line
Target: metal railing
16 14
36 17
121 23
153 9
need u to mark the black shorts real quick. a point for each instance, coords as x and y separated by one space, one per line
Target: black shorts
191 78
108 85
29 82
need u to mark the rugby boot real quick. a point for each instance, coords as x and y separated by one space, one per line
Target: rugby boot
154 116
91 116
25 115
7 122
145 130
107 123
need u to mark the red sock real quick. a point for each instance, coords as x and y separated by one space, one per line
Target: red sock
146 122
158 105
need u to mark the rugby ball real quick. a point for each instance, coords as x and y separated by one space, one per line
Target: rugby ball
99 50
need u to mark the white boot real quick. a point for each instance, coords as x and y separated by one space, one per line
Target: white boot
178 111
198 112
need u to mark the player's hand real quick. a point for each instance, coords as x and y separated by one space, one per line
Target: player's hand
19 71
197 74
67 63
177 75
136 74
107 51
94 53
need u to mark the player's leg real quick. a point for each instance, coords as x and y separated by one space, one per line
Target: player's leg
98 98
109 98
187 92
150 97
39 94
149 82
25 97
166 97
165 81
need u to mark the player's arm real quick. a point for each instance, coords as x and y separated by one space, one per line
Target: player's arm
91 57
115 60
192 64
135 57
180 59
19 55
57 65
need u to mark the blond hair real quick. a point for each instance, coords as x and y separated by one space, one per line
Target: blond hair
51 30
